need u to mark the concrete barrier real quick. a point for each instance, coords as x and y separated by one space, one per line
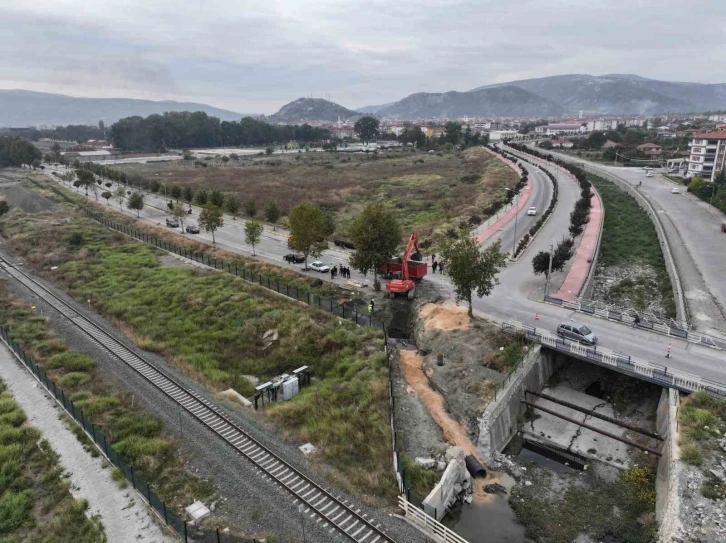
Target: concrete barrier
498 423
668 481
437 502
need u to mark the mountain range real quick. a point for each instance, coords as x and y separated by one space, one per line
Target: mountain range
28 108
612 94
313 109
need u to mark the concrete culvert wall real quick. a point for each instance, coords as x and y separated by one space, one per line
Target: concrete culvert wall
474 467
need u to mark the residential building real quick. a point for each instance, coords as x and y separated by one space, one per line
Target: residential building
561 128
602 125
708 155
650 149
499 135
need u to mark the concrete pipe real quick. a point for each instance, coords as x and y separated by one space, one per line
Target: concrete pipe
474 467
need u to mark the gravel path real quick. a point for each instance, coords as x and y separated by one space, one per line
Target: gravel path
247 497
125 517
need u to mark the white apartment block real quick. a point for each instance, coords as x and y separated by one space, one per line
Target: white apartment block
561 128
602 125
708 155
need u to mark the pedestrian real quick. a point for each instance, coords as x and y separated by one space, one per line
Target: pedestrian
371 306
347 272
433 257
441 268
636 320
332 273
434 265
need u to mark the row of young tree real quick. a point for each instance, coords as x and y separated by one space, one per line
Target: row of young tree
179 130
16 151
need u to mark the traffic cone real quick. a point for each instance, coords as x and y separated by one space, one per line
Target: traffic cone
536 316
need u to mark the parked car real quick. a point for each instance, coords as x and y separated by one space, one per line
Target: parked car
532 211
192 229
343 243
319 266
675 190
172 223
577 332
294 258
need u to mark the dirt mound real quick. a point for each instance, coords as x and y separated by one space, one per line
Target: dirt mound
454 433
444 317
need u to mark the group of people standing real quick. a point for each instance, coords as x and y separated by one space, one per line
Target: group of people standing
435 264
339 269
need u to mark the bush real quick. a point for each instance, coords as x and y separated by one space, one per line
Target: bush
71 361
73 379
76 239
691 454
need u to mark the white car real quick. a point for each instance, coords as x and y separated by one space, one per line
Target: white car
675 190
319 266
532 211
649 174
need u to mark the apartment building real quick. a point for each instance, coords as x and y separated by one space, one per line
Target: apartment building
708 155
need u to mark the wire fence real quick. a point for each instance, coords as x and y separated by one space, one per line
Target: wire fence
186 531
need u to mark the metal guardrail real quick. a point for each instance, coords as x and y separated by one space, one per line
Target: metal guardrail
655 373
620 315
432 527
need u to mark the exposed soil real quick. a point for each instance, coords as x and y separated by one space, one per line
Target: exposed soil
19 196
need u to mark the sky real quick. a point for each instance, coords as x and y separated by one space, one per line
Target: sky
255 56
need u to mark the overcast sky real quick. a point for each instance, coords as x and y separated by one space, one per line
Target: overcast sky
255 56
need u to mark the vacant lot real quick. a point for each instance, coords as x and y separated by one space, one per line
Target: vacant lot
631 271
433 192
211 325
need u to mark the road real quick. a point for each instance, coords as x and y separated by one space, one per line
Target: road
693 231
517 297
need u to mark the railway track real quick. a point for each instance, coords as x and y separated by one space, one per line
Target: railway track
335 513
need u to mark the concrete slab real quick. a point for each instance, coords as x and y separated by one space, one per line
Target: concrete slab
554 431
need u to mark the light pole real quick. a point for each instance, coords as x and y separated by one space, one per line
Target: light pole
514 239
549 272
713 192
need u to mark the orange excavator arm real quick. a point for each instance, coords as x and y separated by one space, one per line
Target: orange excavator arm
412 244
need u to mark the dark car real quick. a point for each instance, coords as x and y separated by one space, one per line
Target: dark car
294 258
173 223
344 243
192 229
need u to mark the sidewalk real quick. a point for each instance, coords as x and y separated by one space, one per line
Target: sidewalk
509 215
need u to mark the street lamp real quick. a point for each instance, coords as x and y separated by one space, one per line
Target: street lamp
514 240
714 188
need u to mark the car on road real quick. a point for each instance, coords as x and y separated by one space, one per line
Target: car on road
675 190
648 174
320 267
192 229
344 243
172 223
532 211
294 258
577 332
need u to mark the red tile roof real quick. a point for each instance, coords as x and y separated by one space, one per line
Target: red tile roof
712 135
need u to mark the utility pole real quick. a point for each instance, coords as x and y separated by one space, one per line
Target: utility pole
549 272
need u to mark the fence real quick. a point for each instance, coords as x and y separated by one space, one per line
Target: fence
437 531
623 315
187 532
294 292
661 375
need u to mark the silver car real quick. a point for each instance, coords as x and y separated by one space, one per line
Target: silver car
577 332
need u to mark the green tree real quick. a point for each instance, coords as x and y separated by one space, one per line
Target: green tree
232 204
376 234
202 197
541 263
107 195
596 140
253 234
366 128
120 196
188 194
269 151
272 214
85 179
720 179
453 132
179 213
175 191
211 219
251 208
307 230
216 198
471 269
136 202
695 184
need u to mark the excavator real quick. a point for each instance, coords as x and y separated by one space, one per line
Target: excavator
410 271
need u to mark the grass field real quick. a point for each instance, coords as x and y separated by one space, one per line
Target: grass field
211 326
35 500
629 240
433 192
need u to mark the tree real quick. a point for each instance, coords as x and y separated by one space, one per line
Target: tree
366 128
107 195
179 213
4 207
202 197
376 234
272 214
136 202
471 269
216 198
120 196
232 204
453 132
720 179
307 230
175 192
253 234
541 263
188 194
85 179
251 208
211 219
596 140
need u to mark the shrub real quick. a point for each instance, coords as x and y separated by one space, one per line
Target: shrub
76 239
15 509
71 361
691 454
73 379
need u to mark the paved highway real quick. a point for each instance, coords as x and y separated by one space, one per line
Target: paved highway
517 297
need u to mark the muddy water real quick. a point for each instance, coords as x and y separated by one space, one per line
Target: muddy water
489 520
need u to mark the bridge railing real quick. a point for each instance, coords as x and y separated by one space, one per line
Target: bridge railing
656 373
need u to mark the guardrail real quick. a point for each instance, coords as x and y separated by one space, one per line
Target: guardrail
655 373
432 527
619 315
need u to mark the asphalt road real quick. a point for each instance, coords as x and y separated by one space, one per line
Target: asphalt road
517 297
694 235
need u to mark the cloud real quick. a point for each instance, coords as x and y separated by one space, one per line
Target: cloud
256 56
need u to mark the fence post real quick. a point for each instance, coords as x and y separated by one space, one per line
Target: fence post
148 494
166 519
218 535
308 297
185 532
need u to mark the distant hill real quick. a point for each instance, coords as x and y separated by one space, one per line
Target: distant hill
312 109
620 94
28 108
502 101
374 109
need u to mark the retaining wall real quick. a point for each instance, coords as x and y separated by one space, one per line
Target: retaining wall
667 485
499 422
435 504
